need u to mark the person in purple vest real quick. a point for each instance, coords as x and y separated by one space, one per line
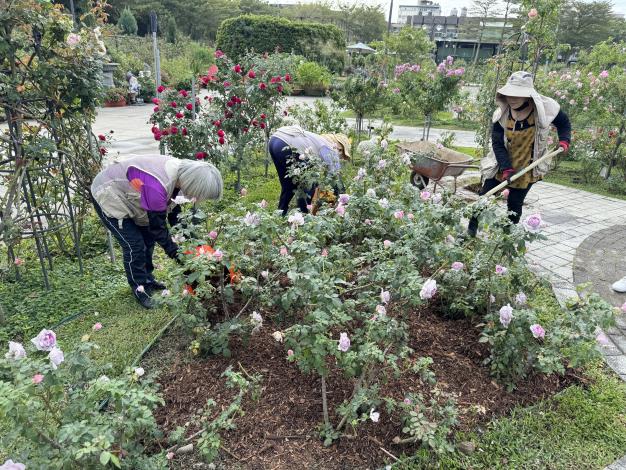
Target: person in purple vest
133 197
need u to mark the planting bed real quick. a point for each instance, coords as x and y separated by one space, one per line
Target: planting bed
279 430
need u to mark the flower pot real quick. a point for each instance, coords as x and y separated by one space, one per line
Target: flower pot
115 104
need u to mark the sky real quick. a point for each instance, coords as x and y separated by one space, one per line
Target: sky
619 6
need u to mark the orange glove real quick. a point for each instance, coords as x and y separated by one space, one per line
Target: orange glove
564 145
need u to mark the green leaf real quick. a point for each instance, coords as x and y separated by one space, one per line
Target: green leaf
105 456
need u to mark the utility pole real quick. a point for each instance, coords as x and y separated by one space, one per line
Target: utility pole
387 40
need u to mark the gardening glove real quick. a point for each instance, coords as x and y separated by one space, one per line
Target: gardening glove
564 144
506 174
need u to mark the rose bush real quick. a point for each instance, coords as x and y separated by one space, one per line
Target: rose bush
61 411
340 289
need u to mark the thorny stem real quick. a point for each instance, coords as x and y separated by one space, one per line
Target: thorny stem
325 403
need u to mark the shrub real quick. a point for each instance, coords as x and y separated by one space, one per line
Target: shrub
57 415
127 22
114 95
319 42
313 75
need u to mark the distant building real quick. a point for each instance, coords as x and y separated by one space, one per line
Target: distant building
423 7
459 36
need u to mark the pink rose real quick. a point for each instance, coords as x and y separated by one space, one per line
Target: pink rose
97 326
284 251
37 379
429 289
169 455
532 13
457 266
537 331
263 204
532 223
212 234
425 195
45 340
18 262
324 252
218 255
243 192
501 270
506 315
387 243
410 216
398 214
604 74
289 353
341 210
602 339
344 342
505 194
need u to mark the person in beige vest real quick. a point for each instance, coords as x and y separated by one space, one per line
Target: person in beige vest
521 126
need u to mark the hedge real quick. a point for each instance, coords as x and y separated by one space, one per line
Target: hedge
322 43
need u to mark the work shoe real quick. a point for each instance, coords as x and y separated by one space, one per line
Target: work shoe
155 286
144 300
620 286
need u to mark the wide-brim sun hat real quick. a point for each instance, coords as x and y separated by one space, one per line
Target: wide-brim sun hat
520 84
340 139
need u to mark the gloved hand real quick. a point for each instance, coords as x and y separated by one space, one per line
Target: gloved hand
564 145
506 174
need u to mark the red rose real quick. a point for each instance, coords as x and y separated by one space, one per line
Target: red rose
279 88
228 114
255 123
229 104
251 74
157 136
161 89
217 123
245 130
262 125
189 106
103 151
156 109
226 84
165 132
222 140
155 100
155 129
184 131
173 104
201 155
174 130
102 138
237 68
183 93
262 86
179 115
287 77
220 133
263 116
205 80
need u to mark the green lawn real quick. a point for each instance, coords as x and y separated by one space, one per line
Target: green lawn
568 174
443 120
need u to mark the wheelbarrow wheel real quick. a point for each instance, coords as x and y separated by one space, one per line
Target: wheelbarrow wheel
418 180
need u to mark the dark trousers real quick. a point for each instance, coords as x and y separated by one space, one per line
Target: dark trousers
514 203
137 246
282 156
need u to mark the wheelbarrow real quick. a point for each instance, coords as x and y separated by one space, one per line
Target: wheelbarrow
428 162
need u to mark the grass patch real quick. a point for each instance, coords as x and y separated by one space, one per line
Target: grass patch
29 307
126 329
578 428
568 174
443 120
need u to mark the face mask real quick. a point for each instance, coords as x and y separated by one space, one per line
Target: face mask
524 106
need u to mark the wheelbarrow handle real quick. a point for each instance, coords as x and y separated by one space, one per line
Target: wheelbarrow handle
522 172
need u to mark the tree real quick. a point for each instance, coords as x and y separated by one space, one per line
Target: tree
584 25
363 23
127 22
409 45
483 9
171 31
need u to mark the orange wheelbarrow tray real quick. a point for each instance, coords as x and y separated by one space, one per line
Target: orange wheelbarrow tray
432 163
